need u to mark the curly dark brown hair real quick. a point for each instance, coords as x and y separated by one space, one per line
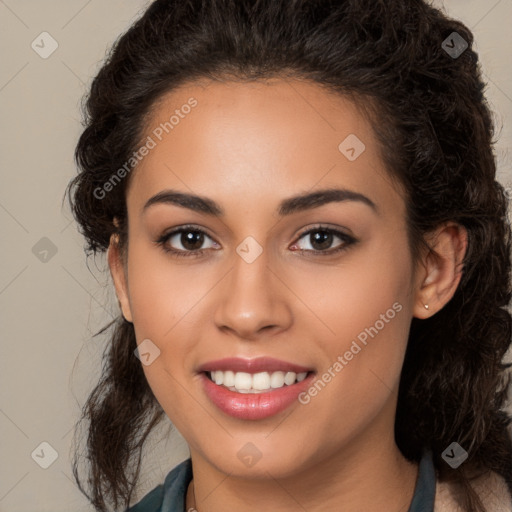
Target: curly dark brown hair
436 135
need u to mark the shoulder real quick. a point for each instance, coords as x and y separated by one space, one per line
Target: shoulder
491 488
170 496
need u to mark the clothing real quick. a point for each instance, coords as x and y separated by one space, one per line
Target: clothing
170 497
491 489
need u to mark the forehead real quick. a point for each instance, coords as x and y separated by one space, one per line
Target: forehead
257 139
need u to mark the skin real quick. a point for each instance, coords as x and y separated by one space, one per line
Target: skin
248 146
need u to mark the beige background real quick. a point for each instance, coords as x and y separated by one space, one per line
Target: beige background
49 309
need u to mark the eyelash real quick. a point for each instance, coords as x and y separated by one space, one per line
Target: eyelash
347 239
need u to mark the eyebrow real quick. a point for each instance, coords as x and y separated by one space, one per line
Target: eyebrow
286 207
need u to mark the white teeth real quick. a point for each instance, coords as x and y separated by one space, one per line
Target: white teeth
277 380
244 382
301 376
289 378
229 378
261 381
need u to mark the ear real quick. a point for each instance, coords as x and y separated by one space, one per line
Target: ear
117 271
441 269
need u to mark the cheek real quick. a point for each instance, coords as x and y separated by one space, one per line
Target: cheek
162 293
346 298
363 358
165 299
364 308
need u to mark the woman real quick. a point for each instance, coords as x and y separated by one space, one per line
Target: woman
311 257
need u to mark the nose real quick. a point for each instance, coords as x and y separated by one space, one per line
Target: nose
254 301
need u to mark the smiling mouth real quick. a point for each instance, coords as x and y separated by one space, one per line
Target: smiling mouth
261 382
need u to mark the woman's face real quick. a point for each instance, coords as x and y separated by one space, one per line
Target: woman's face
340 310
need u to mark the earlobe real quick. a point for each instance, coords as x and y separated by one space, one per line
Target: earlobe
442 269
117 272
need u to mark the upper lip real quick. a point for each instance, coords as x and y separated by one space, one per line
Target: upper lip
254 365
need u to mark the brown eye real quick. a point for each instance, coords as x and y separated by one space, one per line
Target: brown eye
320 241
185 241
191 240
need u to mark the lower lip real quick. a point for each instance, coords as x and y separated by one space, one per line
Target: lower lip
253 406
